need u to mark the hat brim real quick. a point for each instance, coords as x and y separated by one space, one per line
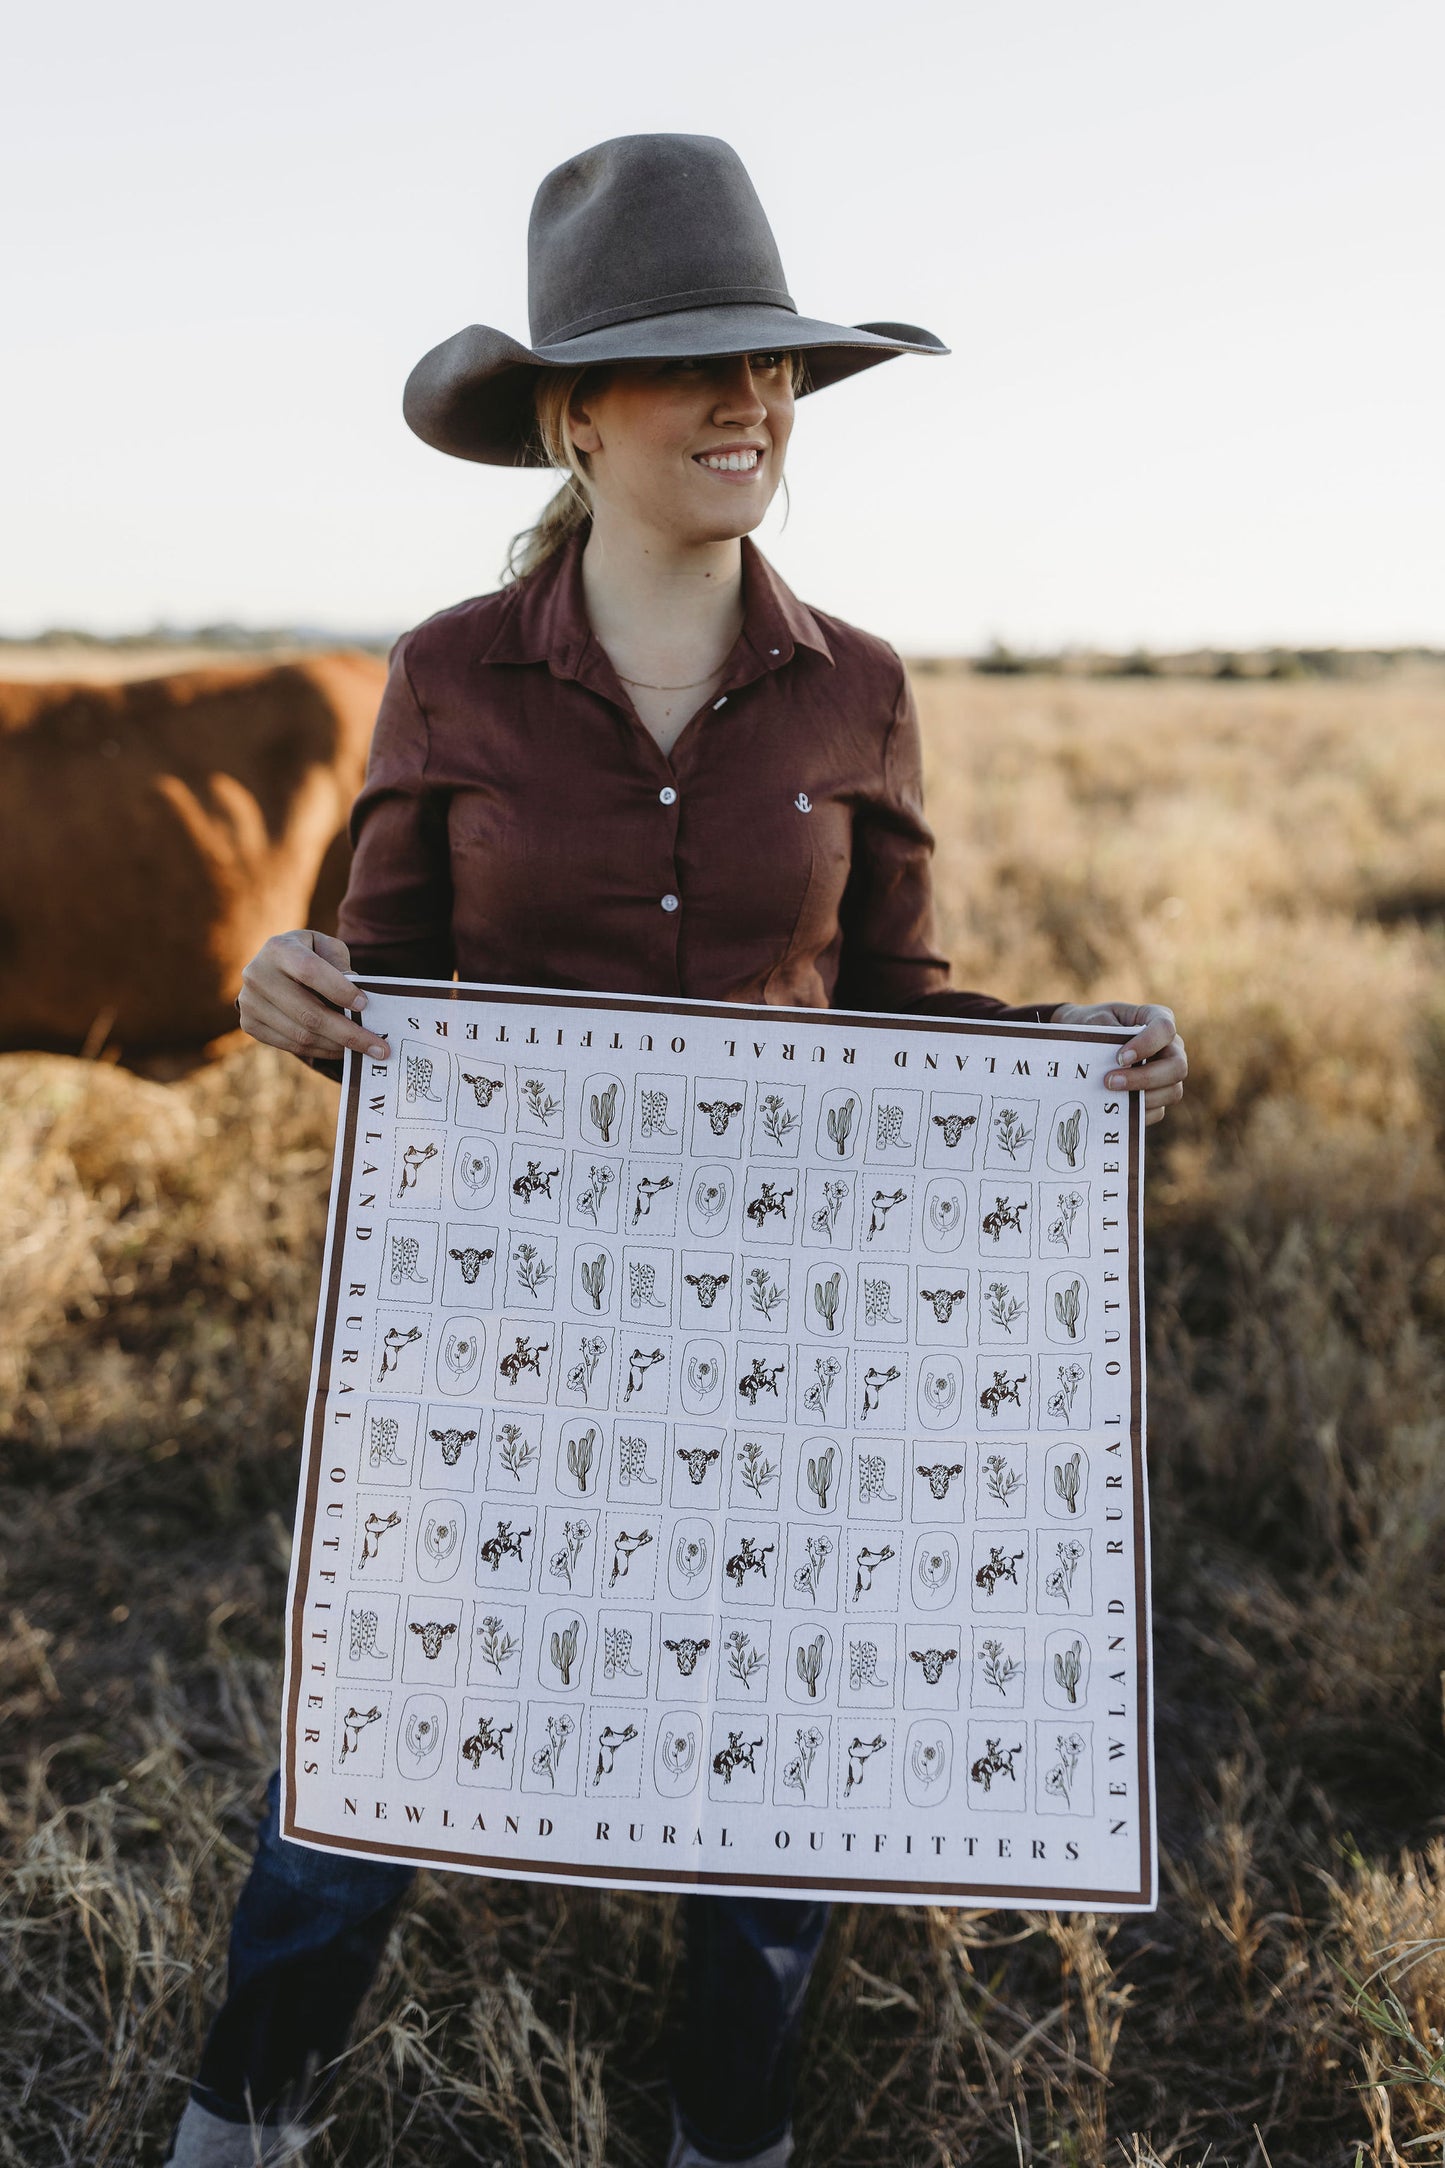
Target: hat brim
472 395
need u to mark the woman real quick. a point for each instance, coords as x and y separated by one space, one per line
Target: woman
643 765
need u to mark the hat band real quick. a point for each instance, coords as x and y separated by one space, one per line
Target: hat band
704 297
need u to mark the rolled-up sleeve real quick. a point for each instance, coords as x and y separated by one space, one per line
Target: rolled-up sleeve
396 915
889 960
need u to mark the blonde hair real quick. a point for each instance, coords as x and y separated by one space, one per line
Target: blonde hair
571 506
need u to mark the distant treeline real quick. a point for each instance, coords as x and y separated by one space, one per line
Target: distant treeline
998 660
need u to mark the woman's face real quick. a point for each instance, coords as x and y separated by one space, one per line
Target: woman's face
659 435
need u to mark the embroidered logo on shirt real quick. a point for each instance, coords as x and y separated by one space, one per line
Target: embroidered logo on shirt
803 803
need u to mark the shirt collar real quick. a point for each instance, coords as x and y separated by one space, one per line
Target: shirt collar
546 620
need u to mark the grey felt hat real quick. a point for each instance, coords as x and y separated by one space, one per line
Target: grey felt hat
645 247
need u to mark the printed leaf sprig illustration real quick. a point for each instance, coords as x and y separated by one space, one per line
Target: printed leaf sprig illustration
1066 1480
1000 1480
764 1290
517 1451
1066 1307
1004 1308
810 1665
1060 1582
744 1661
1068 1668
800 1768
1061 1228
756 1470
997 1666
603 1108
1066 1136
564 1650
495 1645
580 1453
599 1181
1071 1377
540 1102
821 1470
547 1760
533 1271
840 1124
835 1196
1009 1132
778 1120
808 1578
1068 1752
825 1299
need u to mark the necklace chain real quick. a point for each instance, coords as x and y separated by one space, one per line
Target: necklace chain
648 687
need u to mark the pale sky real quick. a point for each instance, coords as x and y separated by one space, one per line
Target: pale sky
1187 258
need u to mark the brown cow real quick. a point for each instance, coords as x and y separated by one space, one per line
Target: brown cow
154 833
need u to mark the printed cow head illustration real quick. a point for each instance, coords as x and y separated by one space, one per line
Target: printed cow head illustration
719 1113
687 1654
939 1476
707 1285
933 1661
433 1636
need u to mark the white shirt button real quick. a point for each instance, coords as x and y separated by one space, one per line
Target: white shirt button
669 903
667 794
775 651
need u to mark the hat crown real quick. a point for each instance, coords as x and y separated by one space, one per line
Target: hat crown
643 225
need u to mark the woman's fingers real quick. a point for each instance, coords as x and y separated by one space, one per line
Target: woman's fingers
293 992
301 1025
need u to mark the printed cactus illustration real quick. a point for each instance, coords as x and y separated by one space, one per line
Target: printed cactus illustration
763 1291
1004 1307
1066 1135
1061 1228
654 1114
1000 1480
825 1299
1009 1131
778 1122
547 1760
1068 1668
1071 1377
888 1128
516 1452
825 1219
820 1474
878 1303
840 1124
495 1646
593 1275
602 1106
540 1102
1066 1307
808 1578
1066 1479
996 1666
564 1650
580 1454
590 1196
810 1665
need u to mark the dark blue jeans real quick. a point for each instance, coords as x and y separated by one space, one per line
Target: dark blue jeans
308 1933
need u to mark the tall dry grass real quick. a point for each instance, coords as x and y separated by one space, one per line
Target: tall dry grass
1268 859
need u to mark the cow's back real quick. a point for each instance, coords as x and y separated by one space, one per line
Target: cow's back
154 833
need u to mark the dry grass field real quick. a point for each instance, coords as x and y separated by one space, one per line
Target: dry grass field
1269 858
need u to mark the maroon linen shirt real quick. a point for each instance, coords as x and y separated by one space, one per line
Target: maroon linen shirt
519 823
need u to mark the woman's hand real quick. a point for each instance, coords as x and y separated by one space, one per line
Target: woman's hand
1153 1061
292 993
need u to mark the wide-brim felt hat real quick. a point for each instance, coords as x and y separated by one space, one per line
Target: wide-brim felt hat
646 247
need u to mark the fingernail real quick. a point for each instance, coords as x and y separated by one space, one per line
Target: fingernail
360 1001
1116 1078
379 1052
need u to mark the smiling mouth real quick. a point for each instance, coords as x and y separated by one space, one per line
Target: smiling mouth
744 463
